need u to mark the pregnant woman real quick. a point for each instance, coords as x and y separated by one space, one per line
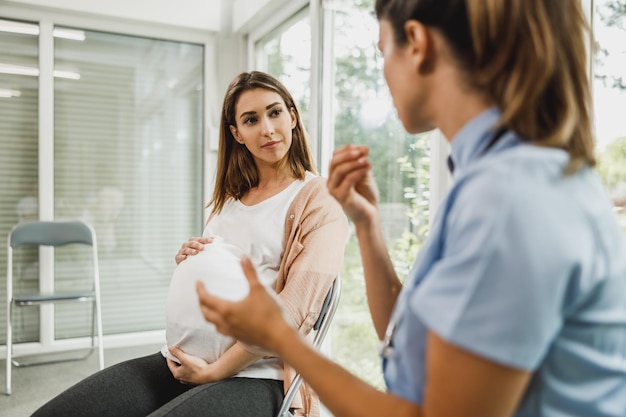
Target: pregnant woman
269 204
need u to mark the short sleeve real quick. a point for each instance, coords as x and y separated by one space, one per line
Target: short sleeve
496 288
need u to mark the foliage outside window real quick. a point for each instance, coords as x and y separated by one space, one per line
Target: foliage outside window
286 54
610 98
364 114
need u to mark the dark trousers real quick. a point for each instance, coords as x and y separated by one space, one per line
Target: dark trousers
145 386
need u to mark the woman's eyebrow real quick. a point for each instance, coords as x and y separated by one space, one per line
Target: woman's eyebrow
252 112
246 114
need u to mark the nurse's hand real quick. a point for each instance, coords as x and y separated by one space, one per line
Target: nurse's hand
351 182
256 320
191 247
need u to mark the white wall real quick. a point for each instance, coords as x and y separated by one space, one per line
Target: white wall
249 13
225 16
195 14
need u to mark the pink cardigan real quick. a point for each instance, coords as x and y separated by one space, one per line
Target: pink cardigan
316 232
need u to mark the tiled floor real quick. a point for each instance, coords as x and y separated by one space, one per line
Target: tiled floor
34 385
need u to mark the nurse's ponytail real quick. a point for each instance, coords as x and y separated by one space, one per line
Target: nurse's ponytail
529 56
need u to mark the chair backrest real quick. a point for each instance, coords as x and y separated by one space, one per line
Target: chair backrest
322 325
327 312
51 233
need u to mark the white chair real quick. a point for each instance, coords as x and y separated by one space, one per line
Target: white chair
52 233
320 327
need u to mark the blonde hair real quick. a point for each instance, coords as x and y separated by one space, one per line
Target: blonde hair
236 169
528 56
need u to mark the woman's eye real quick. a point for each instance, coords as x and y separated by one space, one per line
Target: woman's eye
276 112
250 121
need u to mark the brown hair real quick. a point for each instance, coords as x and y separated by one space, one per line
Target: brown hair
527 55
236 169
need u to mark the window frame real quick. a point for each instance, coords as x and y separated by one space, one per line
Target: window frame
282 16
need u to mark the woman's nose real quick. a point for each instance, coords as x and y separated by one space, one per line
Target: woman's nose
267 127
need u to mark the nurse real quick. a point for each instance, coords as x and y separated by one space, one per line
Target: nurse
516 305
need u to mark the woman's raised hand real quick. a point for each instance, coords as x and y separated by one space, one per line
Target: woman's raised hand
351 182
191 247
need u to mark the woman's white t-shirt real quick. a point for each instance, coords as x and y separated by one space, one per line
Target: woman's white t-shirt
256 231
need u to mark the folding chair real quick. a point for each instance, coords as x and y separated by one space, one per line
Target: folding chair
52 233
320 327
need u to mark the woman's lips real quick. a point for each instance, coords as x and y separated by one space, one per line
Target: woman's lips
270 145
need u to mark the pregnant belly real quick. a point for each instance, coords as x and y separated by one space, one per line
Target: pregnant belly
218 267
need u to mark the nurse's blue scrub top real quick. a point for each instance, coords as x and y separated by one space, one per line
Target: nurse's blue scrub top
524 266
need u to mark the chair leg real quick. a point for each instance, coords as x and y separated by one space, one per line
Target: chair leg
98 320
93 326
96 330
9 347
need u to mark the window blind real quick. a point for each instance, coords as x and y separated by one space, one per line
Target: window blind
18 163
128 123
128 159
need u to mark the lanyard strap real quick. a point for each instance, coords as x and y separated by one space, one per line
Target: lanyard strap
494 139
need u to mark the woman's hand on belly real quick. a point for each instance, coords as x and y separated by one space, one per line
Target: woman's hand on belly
191 247
192 369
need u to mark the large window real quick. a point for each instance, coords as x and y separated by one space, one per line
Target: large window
286 53
609 86
363 113
126 155
355 107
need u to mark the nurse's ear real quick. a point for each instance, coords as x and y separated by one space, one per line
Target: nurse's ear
420 45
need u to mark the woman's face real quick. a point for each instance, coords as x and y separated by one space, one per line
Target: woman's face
401 69
264 124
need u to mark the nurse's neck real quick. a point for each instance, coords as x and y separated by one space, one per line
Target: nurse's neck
457 107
